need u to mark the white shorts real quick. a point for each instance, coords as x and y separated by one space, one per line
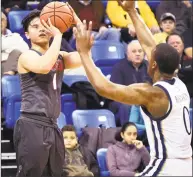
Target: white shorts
168 167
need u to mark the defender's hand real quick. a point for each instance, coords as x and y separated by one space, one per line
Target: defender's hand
84 39
127 4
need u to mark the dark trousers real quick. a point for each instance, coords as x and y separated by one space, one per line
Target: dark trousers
39 149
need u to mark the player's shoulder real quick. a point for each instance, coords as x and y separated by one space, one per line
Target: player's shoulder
28 54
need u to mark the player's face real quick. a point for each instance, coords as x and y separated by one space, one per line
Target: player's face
168 26
37 33
176 42
135 53
129 135
70 139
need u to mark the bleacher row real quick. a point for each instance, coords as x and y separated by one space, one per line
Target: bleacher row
15 17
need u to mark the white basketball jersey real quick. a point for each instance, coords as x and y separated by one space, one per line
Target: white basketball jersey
170 136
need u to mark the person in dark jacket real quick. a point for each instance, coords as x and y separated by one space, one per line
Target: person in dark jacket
132 69
186 63
181 9
125 157
79 161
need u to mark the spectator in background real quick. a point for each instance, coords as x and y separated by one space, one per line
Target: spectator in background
167 24
121 19
12 47
132 69
10 5
187 36
182 10
79 161
94 11
124 158
185 72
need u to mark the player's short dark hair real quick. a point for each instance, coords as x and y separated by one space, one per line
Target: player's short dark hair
26 21
174 34
167 58
69 128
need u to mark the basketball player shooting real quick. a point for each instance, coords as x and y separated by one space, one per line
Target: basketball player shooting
164 105
37 138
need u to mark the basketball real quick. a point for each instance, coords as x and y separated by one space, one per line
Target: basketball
60 14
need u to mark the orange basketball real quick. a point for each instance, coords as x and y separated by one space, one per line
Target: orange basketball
60 15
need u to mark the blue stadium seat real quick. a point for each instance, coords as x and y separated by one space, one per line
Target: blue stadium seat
15 18
153 4
105 3
136 117
61 121
10 85
93 118
12 110
107 53
68 105
31 5
70 79
101 158
11 96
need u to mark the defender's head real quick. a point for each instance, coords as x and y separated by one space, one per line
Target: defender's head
165 60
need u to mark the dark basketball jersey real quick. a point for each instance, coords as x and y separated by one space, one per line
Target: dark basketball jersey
41 92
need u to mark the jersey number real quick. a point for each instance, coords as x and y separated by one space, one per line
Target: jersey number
187 123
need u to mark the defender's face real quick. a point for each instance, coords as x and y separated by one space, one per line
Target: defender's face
37 33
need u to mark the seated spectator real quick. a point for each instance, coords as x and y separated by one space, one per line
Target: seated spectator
121 19
10 5
187 36
79 161
94 11
181 9
12 46
132 69
186 64
125 157
167 24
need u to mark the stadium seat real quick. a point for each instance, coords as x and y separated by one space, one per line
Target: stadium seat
101 158
10 85
12 110
93 118
15 18
31 5
70 79
153 4
106 53
68 105
61 121
137 119
105 3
